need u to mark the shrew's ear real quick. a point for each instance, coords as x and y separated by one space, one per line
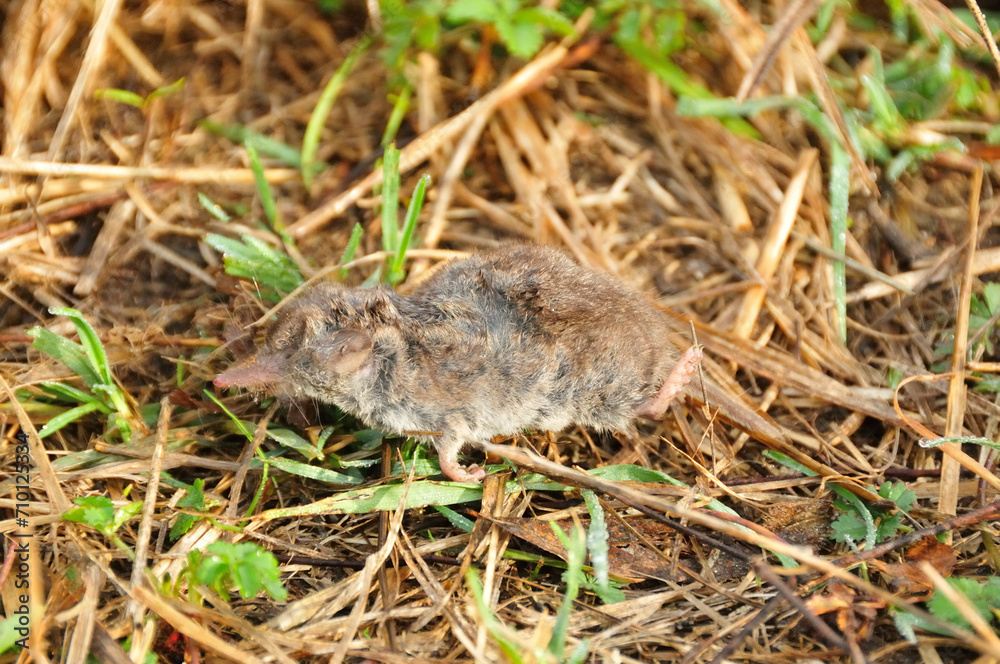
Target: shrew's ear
349 348
380 304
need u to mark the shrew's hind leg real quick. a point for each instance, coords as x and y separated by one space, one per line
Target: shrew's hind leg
678 379
448 447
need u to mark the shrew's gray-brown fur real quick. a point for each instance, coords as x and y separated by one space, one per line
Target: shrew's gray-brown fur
516 338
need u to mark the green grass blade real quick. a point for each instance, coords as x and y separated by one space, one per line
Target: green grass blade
267 146
454 518
310 141
840 190
263 186
230 247
547 18
89 341
580 653
420 465
713 107
167 90
69 353
597 540
396 273
350 249
510 648
399 108
679 81
239 423
792 464
576 549
390 199
265 252
384 498
120 96
213 208
66 392
70 416
257 260
315 472
373 279
258 495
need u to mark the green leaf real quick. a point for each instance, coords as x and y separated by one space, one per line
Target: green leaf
370 439
905 622
899 494
193 500
424 466
95 511
861 521
978 310
840 189
849 527
993 135
10 632
988 384
522 38
547 18
632 473
124 513
512 650
461 11
246 566
582 650
289 438
984 596
860 513
89 360
991 293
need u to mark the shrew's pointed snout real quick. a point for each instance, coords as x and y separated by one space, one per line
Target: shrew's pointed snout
257 372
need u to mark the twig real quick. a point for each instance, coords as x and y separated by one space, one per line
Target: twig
984 28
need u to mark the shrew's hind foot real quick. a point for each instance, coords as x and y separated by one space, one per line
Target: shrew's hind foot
447 449
678 379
